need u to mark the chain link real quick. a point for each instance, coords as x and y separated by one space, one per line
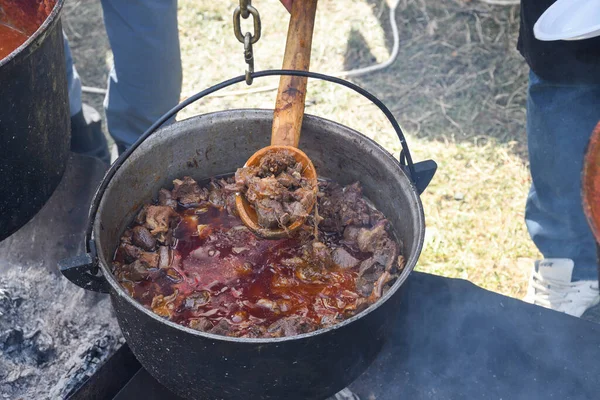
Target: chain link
248 57
245 10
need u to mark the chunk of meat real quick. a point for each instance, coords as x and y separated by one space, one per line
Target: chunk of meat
275 206
305 196
330 320
140 219
361 305
344 259
266 188
288 180
165 198
270 214
142 238
127 236
256 331
165 238
196 300
386 253
166 257
201 324
269 305
401 263
135 272
222 194
375 217
274 163
309 272
370 239
377 241
379 284
164 305
188 192
150 259
222 328
160 218
215 194
340 207
130 252
243 176
351 233
366 265
295 210
229 198
205 252
321 255
290 326
365 283
277 179
354 209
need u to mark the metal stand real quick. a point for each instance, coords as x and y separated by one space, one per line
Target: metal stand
454 340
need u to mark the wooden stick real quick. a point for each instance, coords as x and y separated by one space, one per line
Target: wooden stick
289 106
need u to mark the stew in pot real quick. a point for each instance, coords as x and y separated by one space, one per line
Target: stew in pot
188 258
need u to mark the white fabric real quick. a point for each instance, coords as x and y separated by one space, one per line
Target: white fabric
550 286
345 394
569 20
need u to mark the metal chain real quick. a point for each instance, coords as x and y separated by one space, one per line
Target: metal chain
248 57
244 10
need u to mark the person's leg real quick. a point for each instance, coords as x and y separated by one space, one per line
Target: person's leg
86 125
560 120
73 81
145 81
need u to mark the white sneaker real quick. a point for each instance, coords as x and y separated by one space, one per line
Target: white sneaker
345 394
550 286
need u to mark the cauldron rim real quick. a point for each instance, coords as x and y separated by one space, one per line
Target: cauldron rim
408 268
25 49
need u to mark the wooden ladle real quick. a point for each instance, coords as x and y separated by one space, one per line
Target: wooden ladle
289 111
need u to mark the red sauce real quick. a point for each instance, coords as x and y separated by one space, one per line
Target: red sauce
10 39
19 19
226 272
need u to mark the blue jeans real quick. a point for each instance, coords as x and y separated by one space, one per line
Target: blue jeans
145 80
560 120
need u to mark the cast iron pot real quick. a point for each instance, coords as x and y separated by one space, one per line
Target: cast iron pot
34 122
198 365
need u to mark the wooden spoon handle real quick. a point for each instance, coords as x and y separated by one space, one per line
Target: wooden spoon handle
289 106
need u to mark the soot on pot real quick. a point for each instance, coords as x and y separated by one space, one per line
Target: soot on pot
188 258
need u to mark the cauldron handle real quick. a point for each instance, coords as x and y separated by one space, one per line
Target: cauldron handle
79 271
420 173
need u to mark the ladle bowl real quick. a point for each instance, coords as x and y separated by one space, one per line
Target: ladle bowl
247 212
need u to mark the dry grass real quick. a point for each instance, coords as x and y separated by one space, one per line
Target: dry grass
474 213
457 87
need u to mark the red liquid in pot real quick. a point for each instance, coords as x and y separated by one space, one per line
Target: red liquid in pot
223 279
10 39
253 285
19 19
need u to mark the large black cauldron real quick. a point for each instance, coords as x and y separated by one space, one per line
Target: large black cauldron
34 121
199 365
